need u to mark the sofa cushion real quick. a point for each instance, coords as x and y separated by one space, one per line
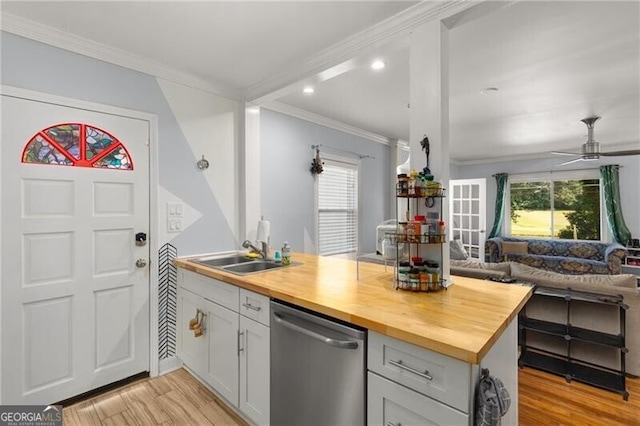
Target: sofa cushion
480 270
501 267
562 265
554 279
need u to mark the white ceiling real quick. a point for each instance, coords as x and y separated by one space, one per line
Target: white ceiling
553 63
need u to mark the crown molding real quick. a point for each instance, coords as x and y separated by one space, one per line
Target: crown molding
325 121
538 156
391 29
501 159
53 37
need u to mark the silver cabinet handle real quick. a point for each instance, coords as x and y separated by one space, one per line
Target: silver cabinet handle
250 306
393 424
240 348
401 365
343 344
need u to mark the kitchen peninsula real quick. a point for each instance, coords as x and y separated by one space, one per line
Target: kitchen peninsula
471 323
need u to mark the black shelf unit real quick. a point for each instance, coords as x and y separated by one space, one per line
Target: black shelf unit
428 200
565 364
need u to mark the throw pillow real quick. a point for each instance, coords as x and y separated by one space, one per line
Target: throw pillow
457 251
514 247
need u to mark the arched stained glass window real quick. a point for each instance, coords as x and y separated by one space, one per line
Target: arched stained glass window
76 144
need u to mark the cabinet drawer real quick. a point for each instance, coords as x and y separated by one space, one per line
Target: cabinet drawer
441 377
211 289
254 306
389 404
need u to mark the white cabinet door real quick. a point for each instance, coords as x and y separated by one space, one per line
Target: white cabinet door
222 331
390 404
192 350
254 370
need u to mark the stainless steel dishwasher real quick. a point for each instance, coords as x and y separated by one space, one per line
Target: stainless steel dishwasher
318 370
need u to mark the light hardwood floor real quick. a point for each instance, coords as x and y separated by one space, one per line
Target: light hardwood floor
173 399
179 399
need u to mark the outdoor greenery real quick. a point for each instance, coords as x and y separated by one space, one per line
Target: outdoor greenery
578 200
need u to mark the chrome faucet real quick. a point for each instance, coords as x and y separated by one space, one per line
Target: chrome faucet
263 253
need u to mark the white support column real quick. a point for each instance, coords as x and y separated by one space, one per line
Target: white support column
429 88
250 175
393 165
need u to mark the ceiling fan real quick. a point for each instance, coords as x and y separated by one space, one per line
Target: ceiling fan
591 148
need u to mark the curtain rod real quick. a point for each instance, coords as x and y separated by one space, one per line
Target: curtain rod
560 171
361 156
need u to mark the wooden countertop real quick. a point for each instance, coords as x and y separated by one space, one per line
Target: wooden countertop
462 322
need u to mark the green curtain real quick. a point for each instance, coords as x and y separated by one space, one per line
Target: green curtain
501 181
611 190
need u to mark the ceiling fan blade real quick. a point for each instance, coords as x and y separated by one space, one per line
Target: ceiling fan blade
565 153
621 153
570 162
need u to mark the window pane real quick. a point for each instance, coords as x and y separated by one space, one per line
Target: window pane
475 207
572 213
337 209
531 209
578 201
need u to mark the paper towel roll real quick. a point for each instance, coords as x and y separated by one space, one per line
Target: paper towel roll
264 231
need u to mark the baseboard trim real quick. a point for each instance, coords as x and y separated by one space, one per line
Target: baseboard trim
168 365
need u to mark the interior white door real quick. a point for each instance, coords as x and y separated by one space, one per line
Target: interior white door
467 211
75 306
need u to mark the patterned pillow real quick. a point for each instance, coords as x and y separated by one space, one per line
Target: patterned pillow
510 247
584 251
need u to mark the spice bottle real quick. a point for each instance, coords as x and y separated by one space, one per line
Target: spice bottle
402 187
441 232
286 253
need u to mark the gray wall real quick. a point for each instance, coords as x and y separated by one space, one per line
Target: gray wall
288 187
629 181
36 66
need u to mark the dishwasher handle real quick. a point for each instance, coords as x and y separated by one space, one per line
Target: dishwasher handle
342 344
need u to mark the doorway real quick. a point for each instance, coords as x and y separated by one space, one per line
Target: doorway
76 292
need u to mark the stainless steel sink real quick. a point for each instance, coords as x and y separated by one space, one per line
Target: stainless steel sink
223 261
239 264
255 266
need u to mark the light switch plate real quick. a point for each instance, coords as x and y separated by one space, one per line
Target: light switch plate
174 225
174 210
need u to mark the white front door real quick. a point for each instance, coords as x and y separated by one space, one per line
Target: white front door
467 211
75 307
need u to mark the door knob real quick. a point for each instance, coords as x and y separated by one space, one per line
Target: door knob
141 263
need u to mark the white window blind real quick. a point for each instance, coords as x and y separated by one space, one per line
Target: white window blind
337 208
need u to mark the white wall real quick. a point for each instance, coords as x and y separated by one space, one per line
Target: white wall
629 181
288 187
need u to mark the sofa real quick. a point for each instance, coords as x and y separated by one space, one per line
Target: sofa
592 317
572 257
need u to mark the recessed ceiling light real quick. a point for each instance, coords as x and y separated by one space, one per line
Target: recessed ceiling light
253 110
378 64
488 90
308 90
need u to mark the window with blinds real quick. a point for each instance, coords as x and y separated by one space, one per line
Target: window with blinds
337 208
